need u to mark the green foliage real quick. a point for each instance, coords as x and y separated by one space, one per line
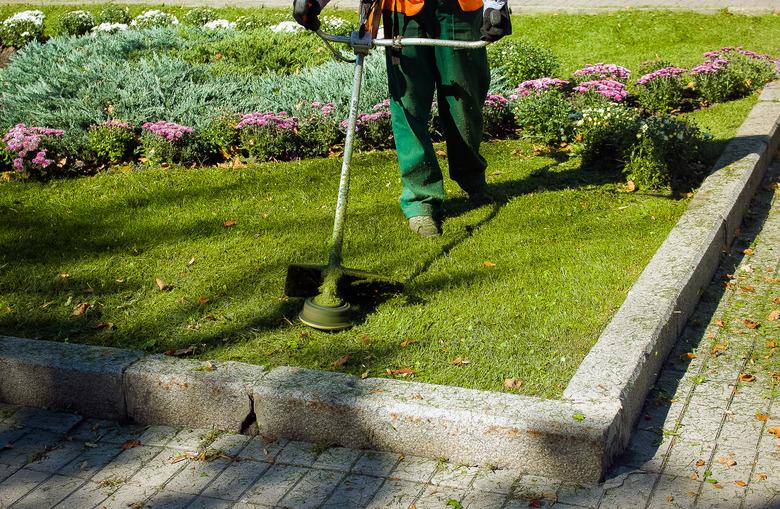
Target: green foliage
189 150
749 74
199 16
110 143
318 132
256 52
522 60
604 135
268 143
545 116
498 119
76 22
154 18
22 28
114 14
666 154
220 135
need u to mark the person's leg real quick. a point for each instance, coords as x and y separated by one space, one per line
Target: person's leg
464 80
411 80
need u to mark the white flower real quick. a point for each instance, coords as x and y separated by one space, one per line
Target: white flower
110 27
219 24
286 27
36 17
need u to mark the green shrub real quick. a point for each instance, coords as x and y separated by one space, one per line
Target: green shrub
605 134
373 130
661 91
546 116
221 135
171 143
268 137
522 61
498 120
111 142
114 14
22 28
199 16
76 23
318 129
154 19
666 153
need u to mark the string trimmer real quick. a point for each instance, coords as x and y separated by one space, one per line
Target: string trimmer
326 286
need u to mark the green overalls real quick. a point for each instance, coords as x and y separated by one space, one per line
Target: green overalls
461 79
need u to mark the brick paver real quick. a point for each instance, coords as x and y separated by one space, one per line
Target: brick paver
702 440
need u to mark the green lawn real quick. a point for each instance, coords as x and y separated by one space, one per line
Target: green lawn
567 244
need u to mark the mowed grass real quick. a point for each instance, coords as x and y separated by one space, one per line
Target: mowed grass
563 246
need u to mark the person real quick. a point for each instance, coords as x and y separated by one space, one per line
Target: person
459 77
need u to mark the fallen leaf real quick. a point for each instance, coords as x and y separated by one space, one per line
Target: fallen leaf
774 431
513 383
777 300
104 325
401 371
211 318
690 355
191 262
441 153
747 289
407 342
717 485
458 361
746 377
46 304
162 285
364 339
748 252
750 324
725 460
762 417
229 223
630 186
181 352
488 264
700 463
747 268
772 280
761 476
120 280
669 498
771 344
694 476
364 375
203 300
209 366
692 493
418 397
741 484
131 444
720 323
340 361
80 309
718 349
776 376
64 275
774 315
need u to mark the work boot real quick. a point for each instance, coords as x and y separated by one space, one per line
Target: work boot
424 226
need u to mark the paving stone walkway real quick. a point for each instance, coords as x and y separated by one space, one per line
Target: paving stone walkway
704 439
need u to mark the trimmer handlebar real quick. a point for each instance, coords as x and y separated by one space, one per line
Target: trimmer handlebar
355 41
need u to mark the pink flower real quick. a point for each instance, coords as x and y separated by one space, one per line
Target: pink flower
604 71
665 73
168 130
610 89
526 87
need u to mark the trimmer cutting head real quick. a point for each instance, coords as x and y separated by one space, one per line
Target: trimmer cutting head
325 318
356 286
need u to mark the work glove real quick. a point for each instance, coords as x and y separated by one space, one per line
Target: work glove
305 12
495 20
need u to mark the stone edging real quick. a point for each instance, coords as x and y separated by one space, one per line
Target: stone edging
463 425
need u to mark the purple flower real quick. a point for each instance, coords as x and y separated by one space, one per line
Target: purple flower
115 123
526 87
22 140
710 67
604 71
665 73
260 119
610 89
168 130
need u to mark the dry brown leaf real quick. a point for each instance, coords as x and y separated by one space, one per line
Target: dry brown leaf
80 309
741 484
418 396
203 300
690 355
777 300
747 289
64 275
774 431
694 476
776 376
769 279
364 339
720 323
130 444
774 315
771 344
400 371
669 498
364 375
340 361
104 325
718 486
746 377
441 153
700 463
513 383
630 186
725 460
407 342
488 264
692 493
162 285
761 476
209 366
748 252
181 352
750 324
120 280
718 349
459 361
229 223
762 417
191 262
